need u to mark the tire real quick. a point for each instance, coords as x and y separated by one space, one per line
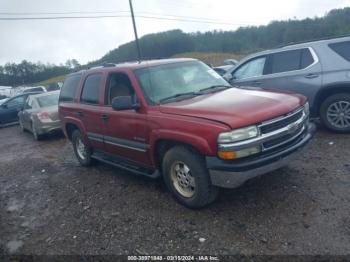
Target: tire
82 151
21 127
187 178
36 136
335 113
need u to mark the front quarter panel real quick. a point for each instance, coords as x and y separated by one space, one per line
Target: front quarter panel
199 133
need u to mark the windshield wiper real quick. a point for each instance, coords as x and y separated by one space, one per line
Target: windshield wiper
180 95
215 88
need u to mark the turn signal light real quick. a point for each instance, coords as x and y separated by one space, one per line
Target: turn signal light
227 155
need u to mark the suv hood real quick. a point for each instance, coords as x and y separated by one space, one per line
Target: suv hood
236 107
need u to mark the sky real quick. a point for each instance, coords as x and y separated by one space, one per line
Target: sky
55 41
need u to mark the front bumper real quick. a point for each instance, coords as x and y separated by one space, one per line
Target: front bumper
232 174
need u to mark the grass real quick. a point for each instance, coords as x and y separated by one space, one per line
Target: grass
51 80
215 59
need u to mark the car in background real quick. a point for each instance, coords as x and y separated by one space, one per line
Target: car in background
35 89
222 70
10 108
3 100
319 70
40 114
230 62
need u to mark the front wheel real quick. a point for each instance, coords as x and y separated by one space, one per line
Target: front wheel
81 150
187 177
335 113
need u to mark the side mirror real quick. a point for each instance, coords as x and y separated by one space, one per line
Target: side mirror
124 103
228 77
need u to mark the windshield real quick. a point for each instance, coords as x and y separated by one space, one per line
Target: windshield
48 100
160 82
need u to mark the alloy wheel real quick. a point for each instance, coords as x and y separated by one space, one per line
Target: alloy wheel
81 149
182 179
338 114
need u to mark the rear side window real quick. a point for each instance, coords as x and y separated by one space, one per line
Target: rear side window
285 61
290 61
342 49
69 88
91 89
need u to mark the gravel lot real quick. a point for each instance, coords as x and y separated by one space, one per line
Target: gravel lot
51 205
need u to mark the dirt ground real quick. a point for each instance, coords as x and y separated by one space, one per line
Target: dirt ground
51 205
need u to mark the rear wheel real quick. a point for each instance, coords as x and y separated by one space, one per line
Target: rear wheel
335 113
35 133
187 177
81 150
21 127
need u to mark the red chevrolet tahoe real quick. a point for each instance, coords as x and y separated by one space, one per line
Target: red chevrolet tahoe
178 119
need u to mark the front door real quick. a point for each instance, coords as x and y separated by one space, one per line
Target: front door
125 131
10 109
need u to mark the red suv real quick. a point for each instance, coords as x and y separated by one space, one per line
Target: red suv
177 118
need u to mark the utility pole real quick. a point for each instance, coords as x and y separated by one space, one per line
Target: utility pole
135 31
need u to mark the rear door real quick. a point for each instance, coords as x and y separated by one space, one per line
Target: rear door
125 131
297 71
89 110
29 107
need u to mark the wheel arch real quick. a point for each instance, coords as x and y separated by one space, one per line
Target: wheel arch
326 92
160 144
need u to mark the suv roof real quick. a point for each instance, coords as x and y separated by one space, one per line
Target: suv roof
299 45
137 64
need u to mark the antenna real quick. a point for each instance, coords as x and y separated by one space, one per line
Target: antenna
135 31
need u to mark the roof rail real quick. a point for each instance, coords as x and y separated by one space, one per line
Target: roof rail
311 40
109 65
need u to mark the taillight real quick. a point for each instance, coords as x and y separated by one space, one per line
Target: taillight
43 115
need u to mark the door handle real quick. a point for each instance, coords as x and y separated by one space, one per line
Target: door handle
257 83
310 76
104 117
80 113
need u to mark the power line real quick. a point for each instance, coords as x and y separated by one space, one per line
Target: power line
194 20
139 14
62 13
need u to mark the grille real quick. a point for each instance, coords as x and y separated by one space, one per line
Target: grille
283 139
278 124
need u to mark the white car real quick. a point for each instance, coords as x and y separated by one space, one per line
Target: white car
35 89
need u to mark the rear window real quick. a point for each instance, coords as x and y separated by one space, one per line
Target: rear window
48 100
342 49
290 60
91 89
69 88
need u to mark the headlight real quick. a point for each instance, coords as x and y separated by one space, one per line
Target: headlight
238 135
307 108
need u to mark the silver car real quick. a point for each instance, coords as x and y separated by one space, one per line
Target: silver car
319 70
40 114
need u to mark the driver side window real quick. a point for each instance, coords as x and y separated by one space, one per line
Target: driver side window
118 84
15 103
252 68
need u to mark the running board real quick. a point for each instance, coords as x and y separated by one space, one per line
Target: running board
125 164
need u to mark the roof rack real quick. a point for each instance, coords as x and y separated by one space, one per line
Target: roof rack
109 65
311 40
